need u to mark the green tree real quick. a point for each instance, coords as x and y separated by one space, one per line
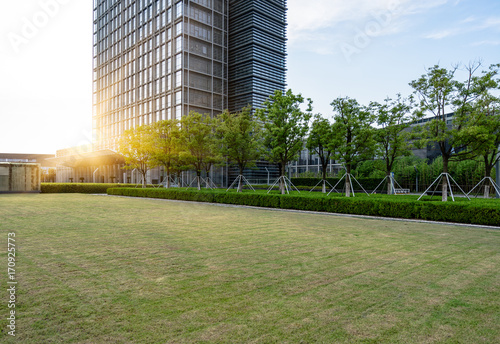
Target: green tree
240 139
136 146
319 140
353 135
439 93
486 113
166 145
285 127
392 138
198 141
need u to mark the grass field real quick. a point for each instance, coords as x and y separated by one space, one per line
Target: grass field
100 269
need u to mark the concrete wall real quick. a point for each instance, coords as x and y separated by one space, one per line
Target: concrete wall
19 177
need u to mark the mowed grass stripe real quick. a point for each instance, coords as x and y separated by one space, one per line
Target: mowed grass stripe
114 270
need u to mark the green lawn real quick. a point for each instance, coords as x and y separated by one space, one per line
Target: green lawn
101 269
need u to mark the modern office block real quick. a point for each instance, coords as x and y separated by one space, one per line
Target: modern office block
156 60
257 51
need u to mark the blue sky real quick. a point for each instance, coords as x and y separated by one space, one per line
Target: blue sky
364 49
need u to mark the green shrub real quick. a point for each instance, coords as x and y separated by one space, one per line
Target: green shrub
482 212
90 188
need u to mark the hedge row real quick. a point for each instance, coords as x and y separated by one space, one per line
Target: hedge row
460 212
89 188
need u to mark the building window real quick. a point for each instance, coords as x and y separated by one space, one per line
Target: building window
178 9
178 28
178 44
178 79
178 61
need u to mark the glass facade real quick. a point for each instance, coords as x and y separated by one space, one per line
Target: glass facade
155 60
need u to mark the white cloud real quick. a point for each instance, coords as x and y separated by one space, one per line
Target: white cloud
305 16
481 43
443 34
321 26
490 23
468 25
317 14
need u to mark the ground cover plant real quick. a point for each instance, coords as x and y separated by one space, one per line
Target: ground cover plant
101 269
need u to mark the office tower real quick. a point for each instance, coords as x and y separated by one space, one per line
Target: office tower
257 51
156 60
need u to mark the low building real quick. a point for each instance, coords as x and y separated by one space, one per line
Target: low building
19 177
47 165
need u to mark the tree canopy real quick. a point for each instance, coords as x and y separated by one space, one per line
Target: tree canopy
353 134
198 141
166 146
439 93
392 137
136 146
240 139
285 127
319 141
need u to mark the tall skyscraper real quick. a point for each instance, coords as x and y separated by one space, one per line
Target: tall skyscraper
161 59
257 51
155 60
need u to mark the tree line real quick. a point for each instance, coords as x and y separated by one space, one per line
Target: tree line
378 131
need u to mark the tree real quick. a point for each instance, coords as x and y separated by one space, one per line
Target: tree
240 139
392 137
198 142
285 127
166 145
438 92
320 137
486 112
353 135
136 146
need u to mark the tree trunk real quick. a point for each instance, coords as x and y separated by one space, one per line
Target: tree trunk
324 178
240 184
168 178
144 184
179 179
348 180
198 179
487 173
282 178
444 188
389 183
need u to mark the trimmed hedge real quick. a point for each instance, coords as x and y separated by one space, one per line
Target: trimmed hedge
251 199
88 188
460 212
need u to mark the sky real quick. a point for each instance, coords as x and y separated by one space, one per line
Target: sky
363 49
